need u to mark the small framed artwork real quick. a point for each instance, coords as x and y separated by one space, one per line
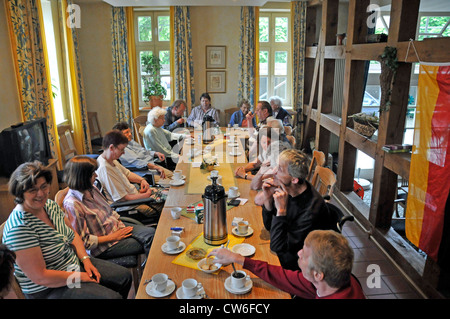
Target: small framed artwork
215 81
216 57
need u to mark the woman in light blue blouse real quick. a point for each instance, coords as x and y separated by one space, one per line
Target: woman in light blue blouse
51 261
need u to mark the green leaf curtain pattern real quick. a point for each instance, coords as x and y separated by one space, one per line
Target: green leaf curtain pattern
30 59
298 12
247 55
182 53
121 67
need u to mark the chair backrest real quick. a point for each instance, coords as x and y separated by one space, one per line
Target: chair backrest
15 290
318 159
288 130
139 124
228 113
324 180
66 143
59 197
94 127
291 140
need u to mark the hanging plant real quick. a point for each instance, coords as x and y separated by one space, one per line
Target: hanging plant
389 66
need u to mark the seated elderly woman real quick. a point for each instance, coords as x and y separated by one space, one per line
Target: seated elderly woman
157 139
50 256
103 233
240 118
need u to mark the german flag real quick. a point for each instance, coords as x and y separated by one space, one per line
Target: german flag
429 181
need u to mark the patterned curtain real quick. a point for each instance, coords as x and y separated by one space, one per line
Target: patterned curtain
30 60
248 56
132 62
298 13
78 109
182 56
121 68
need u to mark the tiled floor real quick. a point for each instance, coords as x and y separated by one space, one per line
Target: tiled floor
370 260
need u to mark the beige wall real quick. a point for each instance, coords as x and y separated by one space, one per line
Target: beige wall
216 26
9 96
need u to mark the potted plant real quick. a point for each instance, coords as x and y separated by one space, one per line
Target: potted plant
154 92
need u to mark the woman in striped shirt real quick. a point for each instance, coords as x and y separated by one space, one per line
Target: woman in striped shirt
51 261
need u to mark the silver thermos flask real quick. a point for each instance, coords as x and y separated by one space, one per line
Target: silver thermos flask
215 214
207 129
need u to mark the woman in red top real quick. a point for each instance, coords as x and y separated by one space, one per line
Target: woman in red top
325 261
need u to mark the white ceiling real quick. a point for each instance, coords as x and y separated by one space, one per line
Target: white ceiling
144 3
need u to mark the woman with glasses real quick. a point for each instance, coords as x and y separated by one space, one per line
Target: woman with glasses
51 261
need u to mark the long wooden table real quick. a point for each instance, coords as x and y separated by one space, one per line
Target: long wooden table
160 262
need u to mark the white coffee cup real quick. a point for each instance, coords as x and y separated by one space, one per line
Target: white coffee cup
233 192
190 287
242 227
177 174
238 279
173 242
175 212
160 281
235 125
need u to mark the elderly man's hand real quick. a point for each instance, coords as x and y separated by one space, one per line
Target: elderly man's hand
226 257
161 156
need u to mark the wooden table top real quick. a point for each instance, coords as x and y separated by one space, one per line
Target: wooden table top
214 284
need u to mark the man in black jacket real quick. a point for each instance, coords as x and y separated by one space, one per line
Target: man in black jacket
292 207
278 112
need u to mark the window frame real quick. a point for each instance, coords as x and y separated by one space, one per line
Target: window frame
155 46
272 47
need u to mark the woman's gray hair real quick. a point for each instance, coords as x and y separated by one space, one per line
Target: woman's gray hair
275 123
275 99
154 114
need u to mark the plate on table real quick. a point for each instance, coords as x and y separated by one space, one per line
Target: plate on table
244 249
235 232
165 248
151 289
208 266
196 253
177 182
238 291
182 177
231 197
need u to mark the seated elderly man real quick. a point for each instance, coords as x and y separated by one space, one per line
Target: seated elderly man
278 112
325 264
174 116
292 207
157 139
201 110
139 157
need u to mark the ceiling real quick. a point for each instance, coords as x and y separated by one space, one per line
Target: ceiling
144 3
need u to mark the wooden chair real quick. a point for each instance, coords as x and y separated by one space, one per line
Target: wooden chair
133 262
228 113
139 124
66 143
95 131
15 292
318 159
291 140
323 181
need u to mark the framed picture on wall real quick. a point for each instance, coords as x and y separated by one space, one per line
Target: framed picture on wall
215 81
216 57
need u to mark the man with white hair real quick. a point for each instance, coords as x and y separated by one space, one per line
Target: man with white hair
157 139
278 112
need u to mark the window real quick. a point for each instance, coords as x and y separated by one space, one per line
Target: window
153 38
275 56
57 74
433 26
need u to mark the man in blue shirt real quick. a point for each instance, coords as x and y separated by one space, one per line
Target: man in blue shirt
137 156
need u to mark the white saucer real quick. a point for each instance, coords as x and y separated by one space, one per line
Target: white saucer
233 144
237 195
235 154
182 177
235 232
177 182
168 251
247 287
244 249
151 291
180 294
